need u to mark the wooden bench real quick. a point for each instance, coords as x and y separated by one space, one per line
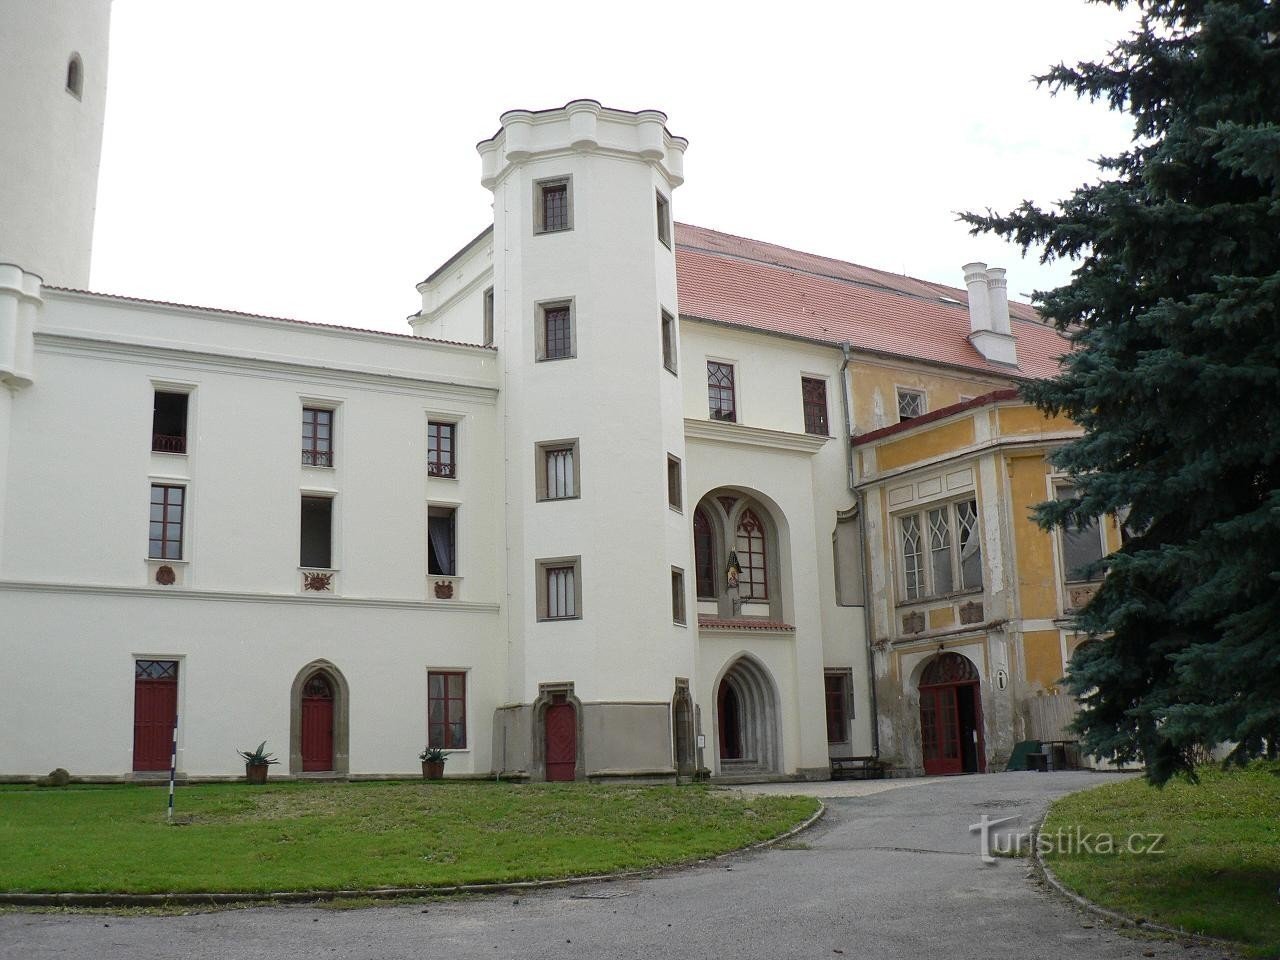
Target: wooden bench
857 768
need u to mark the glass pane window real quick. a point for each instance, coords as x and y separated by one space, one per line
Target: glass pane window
753 580
837 696
555 206
155 669
441 447
317 437
949 534
561 599
442 547
970 544
912 558
677 595
814 393
668 341
910 404
720 391
447 710
166 522
704 563
1081 546
557 333
940 549
559 470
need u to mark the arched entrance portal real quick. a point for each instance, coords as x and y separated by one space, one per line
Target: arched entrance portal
318 720
747 720
951 716
317 723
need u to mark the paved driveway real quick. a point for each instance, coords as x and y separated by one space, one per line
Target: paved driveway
892 871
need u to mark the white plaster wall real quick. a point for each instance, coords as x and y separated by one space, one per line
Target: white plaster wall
50 141
453 297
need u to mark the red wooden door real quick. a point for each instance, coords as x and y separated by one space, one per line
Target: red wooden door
940 731
155 711
562 742
317 724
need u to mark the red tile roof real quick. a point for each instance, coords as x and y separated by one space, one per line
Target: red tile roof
761 286
743 623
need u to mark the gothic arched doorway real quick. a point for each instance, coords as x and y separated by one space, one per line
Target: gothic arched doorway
951 716
318 720
747 720
317 723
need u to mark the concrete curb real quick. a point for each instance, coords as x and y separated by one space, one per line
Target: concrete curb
376 893
1043 870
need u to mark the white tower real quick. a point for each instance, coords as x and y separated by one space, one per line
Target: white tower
585 296
53 74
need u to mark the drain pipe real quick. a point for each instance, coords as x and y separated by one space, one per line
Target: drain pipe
860 505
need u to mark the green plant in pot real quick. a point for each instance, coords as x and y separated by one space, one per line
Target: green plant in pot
256 763
433 759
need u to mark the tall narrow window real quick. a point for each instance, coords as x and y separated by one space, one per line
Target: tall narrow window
838 686
910 404
317 533
720 391
669 341
557 466
75 76
441 449
553 206
675 497
442 542
555 340
912 558
488 317
317 437
941 550
169 422
970 544
559 590
704 562
664 219
753 580
814 394
1081 546
447 710
166 522
677 595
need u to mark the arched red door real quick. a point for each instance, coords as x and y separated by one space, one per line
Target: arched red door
317 724
951 717
562 741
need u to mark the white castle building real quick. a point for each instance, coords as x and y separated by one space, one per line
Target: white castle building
598 515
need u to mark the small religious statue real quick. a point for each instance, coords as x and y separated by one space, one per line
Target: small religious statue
734 569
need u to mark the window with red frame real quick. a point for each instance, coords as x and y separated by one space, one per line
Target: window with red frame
814 393
166 522
704 564
317 437
838 684
753 581
720 391
441 449
446 710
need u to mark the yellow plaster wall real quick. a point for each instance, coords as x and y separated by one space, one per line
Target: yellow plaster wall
941 617
941 389
1025 419
1042 652
1037 590
925 443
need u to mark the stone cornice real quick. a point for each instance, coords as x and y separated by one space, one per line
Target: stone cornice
719 431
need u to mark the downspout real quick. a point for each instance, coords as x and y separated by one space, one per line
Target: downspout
862 538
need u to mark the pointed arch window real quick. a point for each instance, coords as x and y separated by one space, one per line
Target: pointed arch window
704 562
75 76
753 581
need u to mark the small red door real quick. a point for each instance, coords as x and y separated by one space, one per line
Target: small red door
562 742
317 724
155 711
940 731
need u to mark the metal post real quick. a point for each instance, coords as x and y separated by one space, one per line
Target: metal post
173 767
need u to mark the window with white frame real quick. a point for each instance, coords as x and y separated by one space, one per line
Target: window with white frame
941 550
910 403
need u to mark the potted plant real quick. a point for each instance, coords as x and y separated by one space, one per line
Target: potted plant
256 763
433 759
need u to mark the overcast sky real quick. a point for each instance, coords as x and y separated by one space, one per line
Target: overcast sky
315 159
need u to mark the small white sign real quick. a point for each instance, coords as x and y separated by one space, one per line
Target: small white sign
1002 678
702 740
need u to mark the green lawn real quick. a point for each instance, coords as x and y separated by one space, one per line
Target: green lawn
1220 870
303 836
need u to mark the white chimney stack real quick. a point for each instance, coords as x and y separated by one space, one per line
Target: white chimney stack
989 328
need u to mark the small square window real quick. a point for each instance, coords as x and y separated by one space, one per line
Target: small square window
488 317
316 540
677 596
721 397
446 710
669 341
560 589
167 505
675 498
555 331
664 219
442 541
814 394
910 403
839 693
317 437
442 448
169 422
556 469
553 205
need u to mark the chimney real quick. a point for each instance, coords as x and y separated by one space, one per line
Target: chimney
989 330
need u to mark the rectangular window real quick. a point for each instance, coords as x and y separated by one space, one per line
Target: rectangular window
1081 546
677 595
675 498
720 392
839 686
166 522
555 331
317 437
559 589
553 205
556 463
169 422
488 318
317 533
910 403
442 541
446 710
669 341
664 219
441 448
941 550
814 394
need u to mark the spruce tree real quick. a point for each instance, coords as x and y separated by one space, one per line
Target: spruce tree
1173 311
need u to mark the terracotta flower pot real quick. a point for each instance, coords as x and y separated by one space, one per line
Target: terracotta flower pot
432 770
255 772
